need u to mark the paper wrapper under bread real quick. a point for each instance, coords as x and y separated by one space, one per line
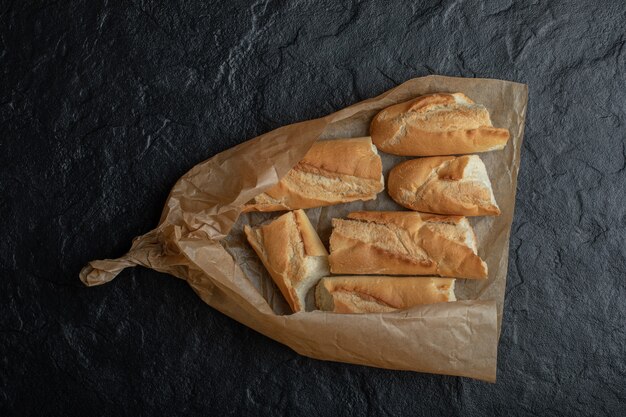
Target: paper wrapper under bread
200 239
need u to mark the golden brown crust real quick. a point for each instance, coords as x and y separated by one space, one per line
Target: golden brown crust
367 294
292 253
443 185
405 243
313 246
436 124
332 172
353 156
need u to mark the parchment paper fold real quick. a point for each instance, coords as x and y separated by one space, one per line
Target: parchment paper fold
199 238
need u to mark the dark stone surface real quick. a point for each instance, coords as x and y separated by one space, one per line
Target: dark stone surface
103 105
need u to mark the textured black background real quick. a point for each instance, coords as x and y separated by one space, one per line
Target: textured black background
104 105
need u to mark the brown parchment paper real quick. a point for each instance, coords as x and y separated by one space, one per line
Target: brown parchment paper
199 238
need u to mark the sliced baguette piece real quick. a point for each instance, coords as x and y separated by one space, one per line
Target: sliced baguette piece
332 172
367 294
444 185
405 243
436 124
292 253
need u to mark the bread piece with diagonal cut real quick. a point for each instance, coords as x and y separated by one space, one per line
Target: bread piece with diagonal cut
405 243
444 185
292 253
436 124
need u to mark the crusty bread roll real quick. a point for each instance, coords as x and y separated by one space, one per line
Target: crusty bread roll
436 124
444 185
405 243
293 254
363 294
332 172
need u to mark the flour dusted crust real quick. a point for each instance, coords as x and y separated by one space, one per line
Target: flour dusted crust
380 294
444 185
292 253
332 172
436 124
405 243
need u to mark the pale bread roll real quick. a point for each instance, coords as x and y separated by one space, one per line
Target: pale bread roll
444 185
332 172
292 253
405 243
367 294
436 124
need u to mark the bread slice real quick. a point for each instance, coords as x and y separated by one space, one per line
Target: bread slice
405 243
292 253
436 124
332 172
363 294
444 185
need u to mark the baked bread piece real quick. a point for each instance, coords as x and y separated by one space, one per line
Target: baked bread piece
436 124
292 253
332 172
404 243
363 294
444 185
